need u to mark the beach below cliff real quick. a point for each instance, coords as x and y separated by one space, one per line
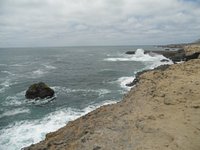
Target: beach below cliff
162 111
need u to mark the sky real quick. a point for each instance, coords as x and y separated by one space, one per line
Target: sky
35 23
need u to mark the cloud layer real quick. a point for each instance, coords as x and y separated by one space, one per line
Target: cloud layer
97 22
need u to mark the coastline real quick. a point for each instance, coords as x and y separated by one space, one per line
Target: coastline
162 111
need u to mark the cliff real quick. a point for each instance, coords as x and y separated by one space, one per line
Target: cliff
162 112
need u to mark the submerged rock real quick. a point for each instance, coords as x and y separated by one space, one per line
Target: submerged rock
39 90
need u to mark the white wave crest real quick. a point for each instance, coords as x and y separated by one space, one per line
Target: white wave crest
65 90
23 133
39 101
15 100
38 72
103 91
7 72
17 65
19 99
125 80
42 71
14 112
5 85
138 56
3 65
2 90
50 67
151 60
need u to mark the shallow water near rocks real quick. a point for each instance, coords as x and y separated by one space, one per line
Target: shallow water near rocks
83 78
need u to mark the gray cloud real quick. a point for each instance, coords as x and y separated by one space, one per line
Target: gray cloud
97 22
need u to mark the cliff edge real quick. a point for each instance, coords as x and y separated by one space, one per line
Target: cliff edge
162 112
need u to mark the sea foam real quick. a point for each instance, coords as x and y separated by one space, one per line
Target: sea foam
139 56
125 80
15 100
7 72
64 90
17 65
49 66
38 72
5 85
14 112
3 65
24 133
151 60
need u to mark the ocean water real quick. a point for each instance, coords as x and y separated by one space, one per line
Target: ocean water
84 78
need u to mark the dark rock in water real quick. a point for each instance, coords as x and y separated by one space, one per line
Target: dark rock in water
39 90
130 52
178 56
193 56
175 56
133 52
164 60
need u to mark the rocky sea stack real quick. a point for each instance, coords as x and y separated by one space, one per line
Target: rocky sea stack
39 91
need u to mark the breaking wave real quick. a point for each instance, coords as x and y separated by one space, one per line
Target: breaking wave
64 90
6 85
125 80
14 112
38 72
153 59
50 67
23 133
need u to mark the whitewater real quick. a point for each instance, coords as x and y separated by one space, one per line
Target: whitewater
84 78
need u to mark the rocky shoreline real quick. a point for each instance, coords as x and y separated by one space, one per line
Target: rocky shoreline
182 53
161 112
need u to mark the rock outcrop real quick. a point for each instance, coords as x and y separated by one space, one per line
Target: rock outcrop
184 53
191 49
138 74
175 56
192 56
130 52
39 91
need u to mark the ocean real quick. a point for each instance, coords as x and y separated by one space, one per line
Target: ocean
84 78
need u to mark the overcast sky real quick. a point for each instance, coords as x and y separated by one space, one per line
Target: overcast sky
98 22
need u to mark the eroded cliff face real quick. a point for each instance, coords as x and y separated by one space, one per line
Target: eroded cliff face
162 112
